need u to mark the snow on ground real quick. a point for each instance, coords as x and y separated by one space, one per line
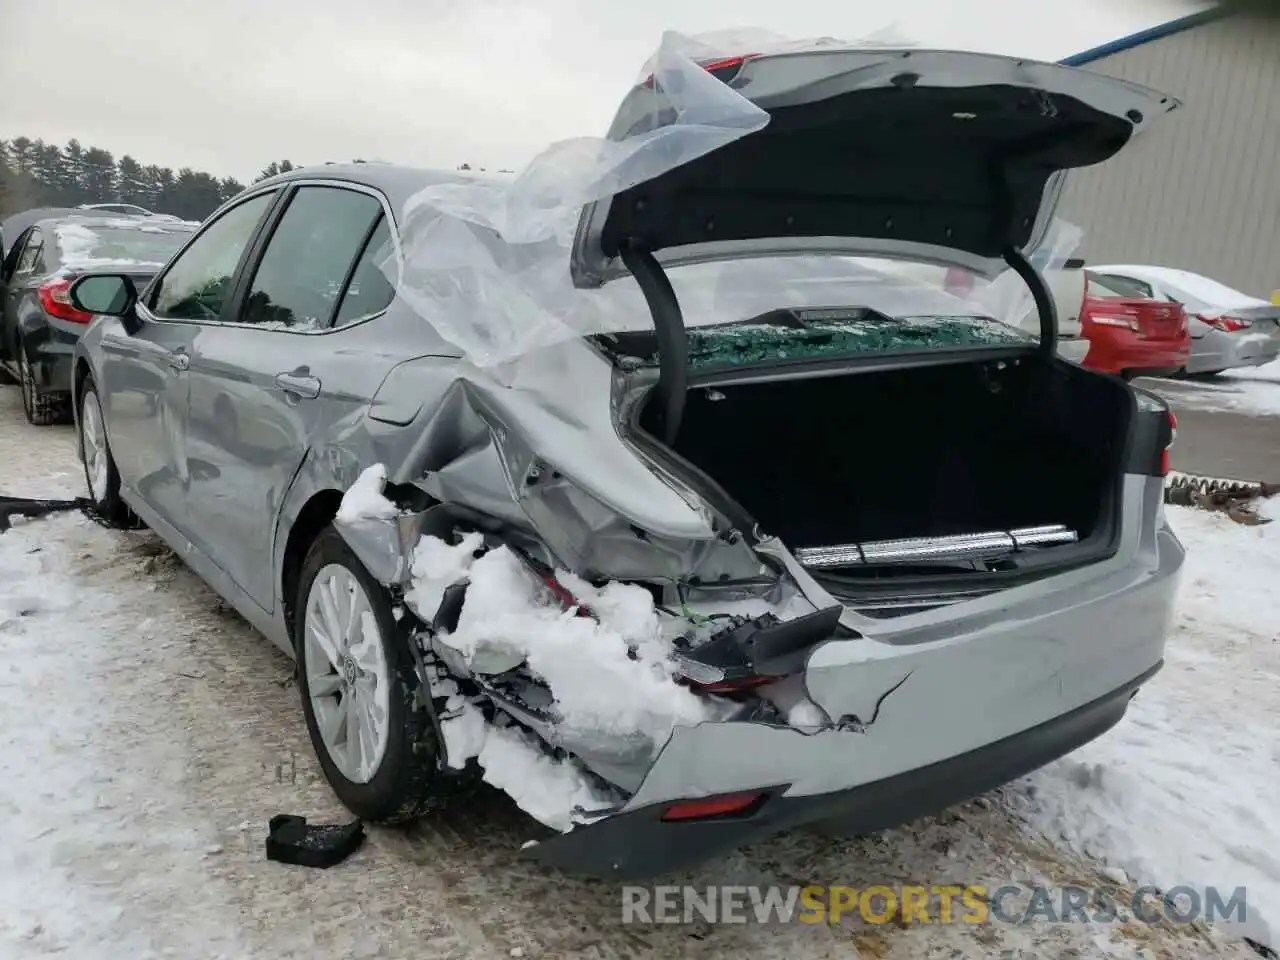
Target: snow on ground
1187 788
1253 391
1269 372
147 735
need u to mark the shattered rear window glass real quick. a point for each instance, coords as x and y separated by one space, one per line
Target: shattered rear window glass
742 344
743 312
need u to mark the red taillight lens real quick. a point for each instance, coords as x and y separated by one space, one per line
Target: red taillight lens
1164 454
567 599
729 804
724 69
732 686
55 299
958 283
1227 324
1128 323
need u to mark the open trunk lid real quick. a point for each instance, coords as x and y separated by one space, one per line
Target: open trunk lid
930 155
941 157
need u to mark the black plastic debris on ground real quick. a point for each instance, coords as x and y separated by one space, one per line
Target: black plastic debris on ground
290 840
11 507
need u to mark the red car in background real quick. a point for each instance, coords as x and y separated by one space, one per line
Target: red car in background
1132 336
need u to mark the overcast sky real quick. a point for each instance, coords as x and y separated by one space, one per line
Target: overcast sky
227 86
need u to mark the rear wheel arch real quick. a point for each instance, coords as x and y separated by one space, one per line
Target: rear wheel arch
79 374
316 514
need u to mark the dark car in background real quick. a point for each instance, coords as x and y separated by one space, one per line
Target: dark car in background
40 326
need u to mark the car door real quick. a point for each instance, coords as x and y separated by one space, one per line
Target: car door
264 381
144 384
20 267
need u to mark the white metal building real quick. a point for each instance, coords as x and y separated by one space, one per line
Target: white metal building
1201 189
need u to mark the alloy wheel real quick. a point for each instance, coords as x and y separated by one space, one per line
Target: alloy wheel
348 678
93 440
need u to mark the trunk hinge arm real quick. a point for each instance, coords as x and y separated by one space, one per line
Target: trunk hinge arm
673 341
1002 225
1040 292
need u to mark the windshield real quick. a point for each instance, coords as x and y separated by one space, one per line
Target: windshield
82 244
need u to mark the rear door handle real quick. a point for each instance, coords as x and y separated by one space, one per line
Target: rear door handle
298 385
179 360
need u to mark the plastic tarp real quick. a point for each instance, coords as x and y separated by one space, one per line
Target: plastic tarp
486 262
1008 298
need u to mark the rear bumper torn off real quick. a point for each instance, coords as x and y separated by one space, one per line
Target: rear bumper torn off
638 844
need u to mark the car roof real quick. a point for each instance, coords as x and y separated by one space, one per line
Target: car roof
119 222
15 224
1197 286
398 183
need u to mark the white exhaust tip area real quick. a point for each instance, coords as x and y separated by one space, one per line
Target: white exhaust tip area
960 547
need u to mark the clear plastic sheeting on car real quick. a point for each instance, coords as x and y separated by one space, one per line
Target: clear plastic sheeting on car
487 263
1008 298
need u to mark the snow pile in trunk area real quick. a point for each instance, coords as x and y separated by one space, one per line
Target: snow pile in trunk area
1186 790
610 674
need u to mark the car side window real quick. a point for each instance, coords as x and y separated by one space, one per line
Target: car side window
369 291
306 261
197 284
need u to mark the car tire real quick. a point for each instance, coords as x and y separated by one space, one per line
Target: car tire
42 409
100 474
392 773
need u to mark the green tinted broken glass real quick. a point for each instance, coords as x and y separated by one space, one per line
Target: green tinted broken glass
734 345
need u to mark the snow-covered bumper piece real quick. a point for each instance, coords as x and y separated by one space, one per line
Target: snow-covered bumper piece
942 711
656 838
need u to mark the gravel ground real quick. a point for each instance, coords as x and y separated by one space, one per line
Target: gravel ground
148 735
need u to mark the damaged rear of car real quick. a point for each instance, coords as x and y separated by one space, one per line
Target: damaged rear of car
739 546
683 525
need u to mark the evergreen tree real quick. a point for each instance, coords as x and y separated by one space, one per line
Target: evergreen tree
34 173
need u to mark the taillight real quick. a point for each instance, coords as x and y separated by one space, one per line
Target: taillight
734 685
55 299
1227 324
727 805
567 600
724 69
1129 323
1164 454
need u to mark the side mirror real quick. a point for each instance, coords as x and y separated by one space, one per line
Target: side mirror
111 295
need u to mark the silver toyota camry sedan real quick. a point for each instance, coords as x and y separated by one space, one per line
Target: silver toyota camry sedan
834 556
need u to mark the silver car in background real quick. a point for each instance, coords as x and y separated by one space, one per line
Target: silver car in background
1229 329
891 561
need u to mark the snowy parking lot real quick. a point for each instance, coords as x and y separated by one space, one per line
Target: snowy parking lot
147 735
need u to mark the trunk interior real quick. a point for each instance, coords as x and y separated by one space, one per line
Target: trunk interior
925 451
